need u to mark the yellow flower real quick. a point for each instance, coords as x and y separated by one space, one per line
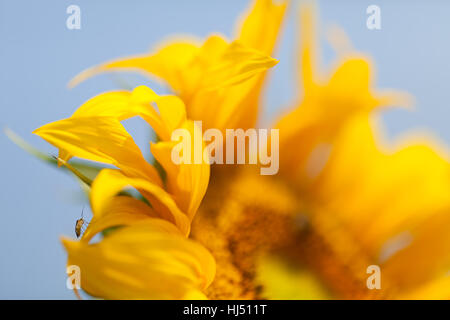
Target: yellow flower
345 199
219 81
150 257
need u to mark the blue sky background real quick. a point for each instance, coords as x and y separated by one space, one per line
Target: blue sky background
38 56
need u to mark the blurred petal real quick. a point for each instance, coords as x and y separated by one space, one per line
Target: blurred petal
261 25
328 104
393 205
438 289
166 64
280 281
307 46
238 64
230 78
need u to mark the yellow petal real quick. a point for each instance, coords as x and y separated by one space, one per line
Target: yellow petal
142 261
237 64
166 63
101 139
392 194
121 211
109 104
120 105
172 116
429 240
438 289
349 90
124 104
355 151
260 26
392 204
231 80
258 29
307 46
329 103
187 182
110 182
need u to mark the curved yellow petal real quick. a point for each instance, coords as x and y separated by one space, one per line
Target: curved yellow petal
186 182
172 113
147 260
121 211
167 63
101 139
110 182
101 103
115 104
120 105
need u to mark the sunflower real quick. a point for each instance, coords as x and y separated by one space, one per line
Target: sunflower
345 199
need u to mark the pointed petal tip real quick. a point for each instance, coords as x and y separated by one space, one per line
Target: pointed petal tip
399 99
83 75
68 243
10 134
75 81
143 94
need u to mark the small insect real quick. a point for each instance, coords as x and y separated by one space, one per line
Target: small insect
79 224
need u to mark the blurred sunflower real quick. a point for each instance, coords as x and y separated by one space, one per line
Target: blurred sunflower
344 199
